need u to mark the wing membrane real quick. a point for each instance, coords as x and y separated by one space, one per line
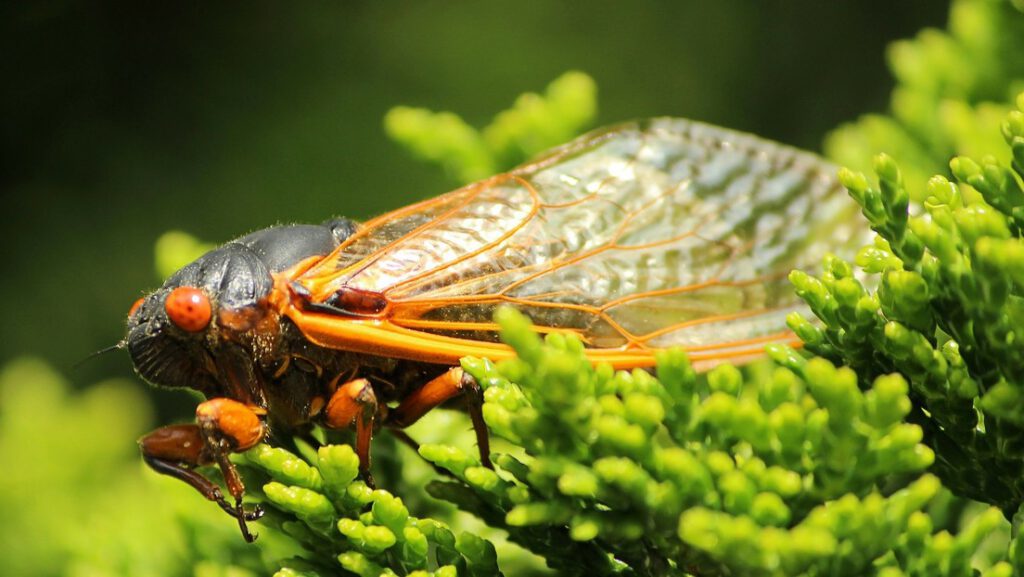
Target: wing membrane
648 235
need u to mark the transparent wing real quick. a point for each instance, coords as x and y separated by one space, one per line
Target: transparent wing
647 235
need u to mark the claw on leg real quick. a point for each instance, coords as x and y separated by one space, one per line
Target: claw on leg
222 426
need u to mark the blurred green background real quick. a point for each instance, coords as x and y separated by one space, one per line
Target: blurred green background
122 120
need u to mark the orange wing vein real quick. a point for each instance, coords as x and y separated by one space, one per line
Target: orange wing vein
640 237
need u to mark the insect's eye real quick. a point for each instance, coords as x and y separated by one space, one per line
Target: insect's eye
135 306
188 308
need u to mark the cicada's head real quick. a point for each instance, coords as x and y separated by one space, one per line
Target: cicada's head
204 328
179 335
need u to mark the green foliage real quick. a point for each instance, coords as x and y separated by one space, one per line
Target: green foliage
175 249
532 125
952 89
344 523
946 313
78 501
788 468
775 473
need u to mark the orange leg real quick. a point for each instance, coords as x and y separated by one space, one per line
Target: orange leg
354 403
451 384
222 426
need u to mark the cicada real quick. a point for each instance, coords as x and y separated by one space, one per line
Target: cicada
635 238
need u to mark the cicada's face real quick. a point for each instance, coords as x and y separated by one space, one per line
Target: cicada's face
199 330
176 334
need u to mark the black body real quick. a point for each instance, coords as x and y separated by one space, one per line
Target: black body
249 353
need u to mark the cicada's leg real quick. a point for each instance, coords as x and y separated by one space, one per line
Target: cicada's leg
227 427
354 403
451 384
174 451
222 426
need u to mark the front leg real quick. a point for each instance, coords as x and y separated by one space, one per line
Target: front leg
223 426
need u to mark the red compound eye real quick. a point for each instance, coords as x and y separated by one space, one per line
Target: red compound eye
135 306
188 308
